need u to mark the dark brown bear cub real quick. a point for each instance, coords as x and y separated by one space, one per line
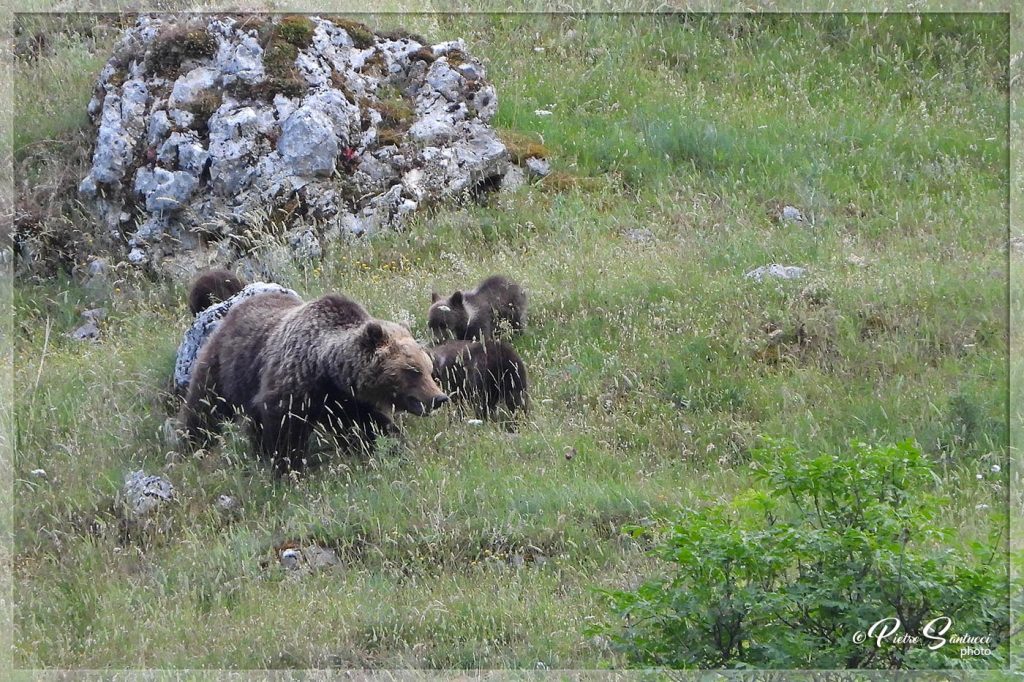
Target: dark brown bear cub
212 286
294 366
485 375
478 314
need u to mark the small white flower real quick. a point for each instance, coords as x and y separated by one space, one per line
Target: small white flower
542 112
995 469
979 477
981 507
474 422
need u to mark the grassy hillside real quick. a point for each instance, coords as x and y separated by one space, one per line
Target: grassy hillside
654 363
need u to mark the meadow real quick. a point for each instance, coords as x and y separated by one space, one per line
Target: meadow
655 364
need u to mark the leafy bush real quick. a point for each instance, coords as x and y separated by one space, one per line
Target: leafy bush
789 573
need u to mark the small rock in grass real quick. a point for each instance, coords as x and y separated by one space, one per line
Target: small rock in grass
474 422
791 214
143 494
538 167
776 271
98 267
319 558
640 235
37 473
94 315
290 559
305 560
513 179
227 503
542 112
87 332
137 256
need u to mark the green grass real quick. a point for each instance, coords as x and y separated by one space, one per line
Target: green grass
647 360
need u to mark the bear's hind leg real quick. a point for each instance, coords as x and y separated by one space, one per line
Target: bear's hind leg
200 415
284 434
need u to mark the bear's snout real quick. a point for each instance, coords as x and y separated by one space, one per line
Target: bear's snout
425 406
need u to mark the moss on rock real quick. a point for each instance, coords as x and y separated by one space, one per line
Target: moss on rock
389 136
456 58
282 75
402 34
361 34
522 146
203 107
424 54
296 30
172 47
395 110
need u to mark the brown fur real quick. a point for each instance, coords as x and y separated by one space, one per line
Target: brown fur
212 286
478 314
484 375
293 366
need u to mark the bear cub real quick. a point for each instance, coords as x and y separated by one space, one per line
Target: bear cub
478 314
484 375
212 286
293 366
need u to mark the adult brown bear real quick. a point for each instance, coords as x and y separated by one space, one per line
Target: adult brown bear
293 366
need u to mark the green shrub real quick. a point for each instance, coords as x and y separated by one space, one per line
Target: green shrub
786 575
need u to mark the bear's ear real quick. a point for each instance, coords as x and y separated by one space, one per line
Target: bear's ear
456 298
434 296
374 336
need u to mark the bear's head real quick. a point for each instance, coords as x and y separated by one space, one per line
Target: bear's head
398 374
447 318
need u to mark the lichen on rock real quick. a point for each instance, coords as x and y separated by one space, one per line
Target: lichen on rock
204 122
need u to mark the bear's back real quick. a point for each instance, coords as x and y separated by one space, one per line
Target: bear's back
334 311
500 294
241 341
305 341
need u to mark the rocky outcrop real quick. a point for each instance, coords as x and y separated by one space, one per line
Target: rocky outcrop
206 322
217 133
